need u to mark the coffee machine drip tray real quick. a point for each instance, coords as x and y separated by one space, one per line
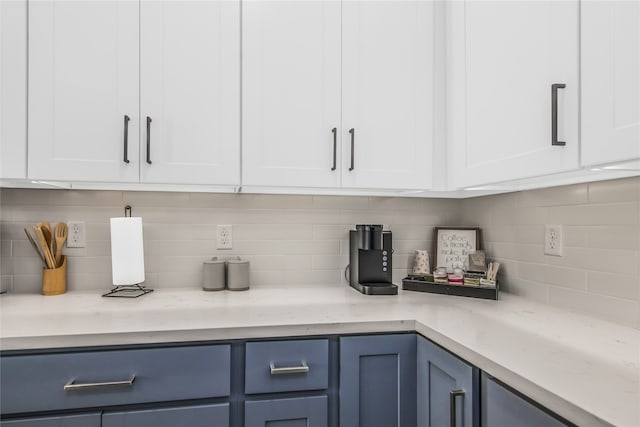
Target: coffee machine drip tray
376 288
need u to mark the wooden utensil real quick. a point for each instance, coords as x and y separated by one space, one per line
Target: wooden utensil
60 234
42 241
35 246
48 235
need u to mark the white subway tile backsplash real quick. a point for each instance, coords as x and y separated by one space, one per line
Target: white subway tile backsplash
303 240
553 196
617 190
609 214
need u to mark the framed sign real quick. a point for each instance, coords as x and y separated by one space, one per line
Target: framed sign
453 245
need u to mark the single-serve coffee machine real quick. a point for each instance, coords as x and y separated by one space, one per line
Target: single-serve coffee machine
370 260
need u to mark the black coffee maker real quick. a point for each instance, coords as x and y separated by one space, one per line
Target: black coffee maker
370 260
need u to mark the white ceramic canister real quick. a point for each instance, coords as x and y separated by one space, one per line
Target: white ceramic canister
213 275
237 275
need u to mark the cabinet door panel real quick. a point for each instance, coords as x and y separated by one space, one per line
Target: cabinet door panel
297 412
377 381
388 97
502 408
504 58
13 86
190 88
84 420
83 80
610 81
291 92
192 416
439 374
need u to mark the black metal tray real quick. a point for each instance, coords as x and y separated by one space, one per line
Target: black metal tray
484 292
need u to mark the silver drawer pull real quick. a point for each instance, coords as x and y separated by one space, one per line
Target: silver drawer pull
289 369
71 386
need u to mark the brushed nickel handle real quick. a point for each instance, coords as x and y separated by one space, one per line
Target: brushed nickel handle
554 113
352 131
73 386
148 140
303 369
335 146
126 138
452 405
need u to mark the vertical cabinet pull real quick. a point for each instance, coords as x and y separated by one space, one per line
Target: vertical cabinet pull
148 139
554 113
335 146
352 131
126 138
452 405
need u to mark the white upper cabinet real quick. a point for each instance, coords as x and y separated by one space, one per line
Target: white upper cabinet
315 70
13 89
190 90
388 51
127 91
291 93
503 59
83 81
610 81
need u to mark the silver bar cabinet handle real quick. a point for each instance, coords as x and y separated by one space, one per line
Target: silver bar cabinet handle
352 131
71 385
303 369
335 146
554 113
126 138
148 139
452 405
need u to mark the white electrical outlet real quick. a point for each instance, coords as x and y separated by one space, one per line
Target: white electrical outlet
76 237
225 236
553 240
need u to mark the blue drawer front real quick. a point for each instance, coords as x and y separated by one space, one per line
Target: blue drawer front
36 383
84 420
283 354
191 416
297 412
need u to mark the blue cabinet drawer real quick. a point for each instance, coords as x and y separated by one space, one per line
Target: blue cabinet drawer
104 378
192 416
296 412
83 420
276 366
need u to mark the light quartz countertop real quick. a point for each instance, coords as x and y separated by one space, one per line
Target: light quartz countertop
584 369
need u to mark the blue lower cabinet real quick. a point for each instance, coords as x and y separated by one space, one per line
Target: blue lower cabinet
192 416
503 408
296 412
378 381
83 420
447 388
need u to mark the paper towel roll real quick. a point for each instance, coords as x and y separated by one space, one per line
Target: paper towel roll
127 251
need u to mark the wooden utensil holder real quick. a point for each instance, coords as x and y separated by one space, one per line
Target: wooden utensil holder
54 280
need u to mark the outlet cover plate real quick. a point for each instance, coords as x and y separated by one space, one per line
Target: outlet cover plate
553 241
77 236
224 236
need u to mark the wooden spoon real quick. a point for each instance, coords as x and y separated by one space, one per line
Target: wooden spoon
60 233
48 235
44 246
35 246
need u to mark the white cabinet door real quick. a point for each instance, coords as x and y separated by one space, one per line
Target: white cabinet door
190 89
13 89
291 93
502 59
610 81
388 94
83 80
